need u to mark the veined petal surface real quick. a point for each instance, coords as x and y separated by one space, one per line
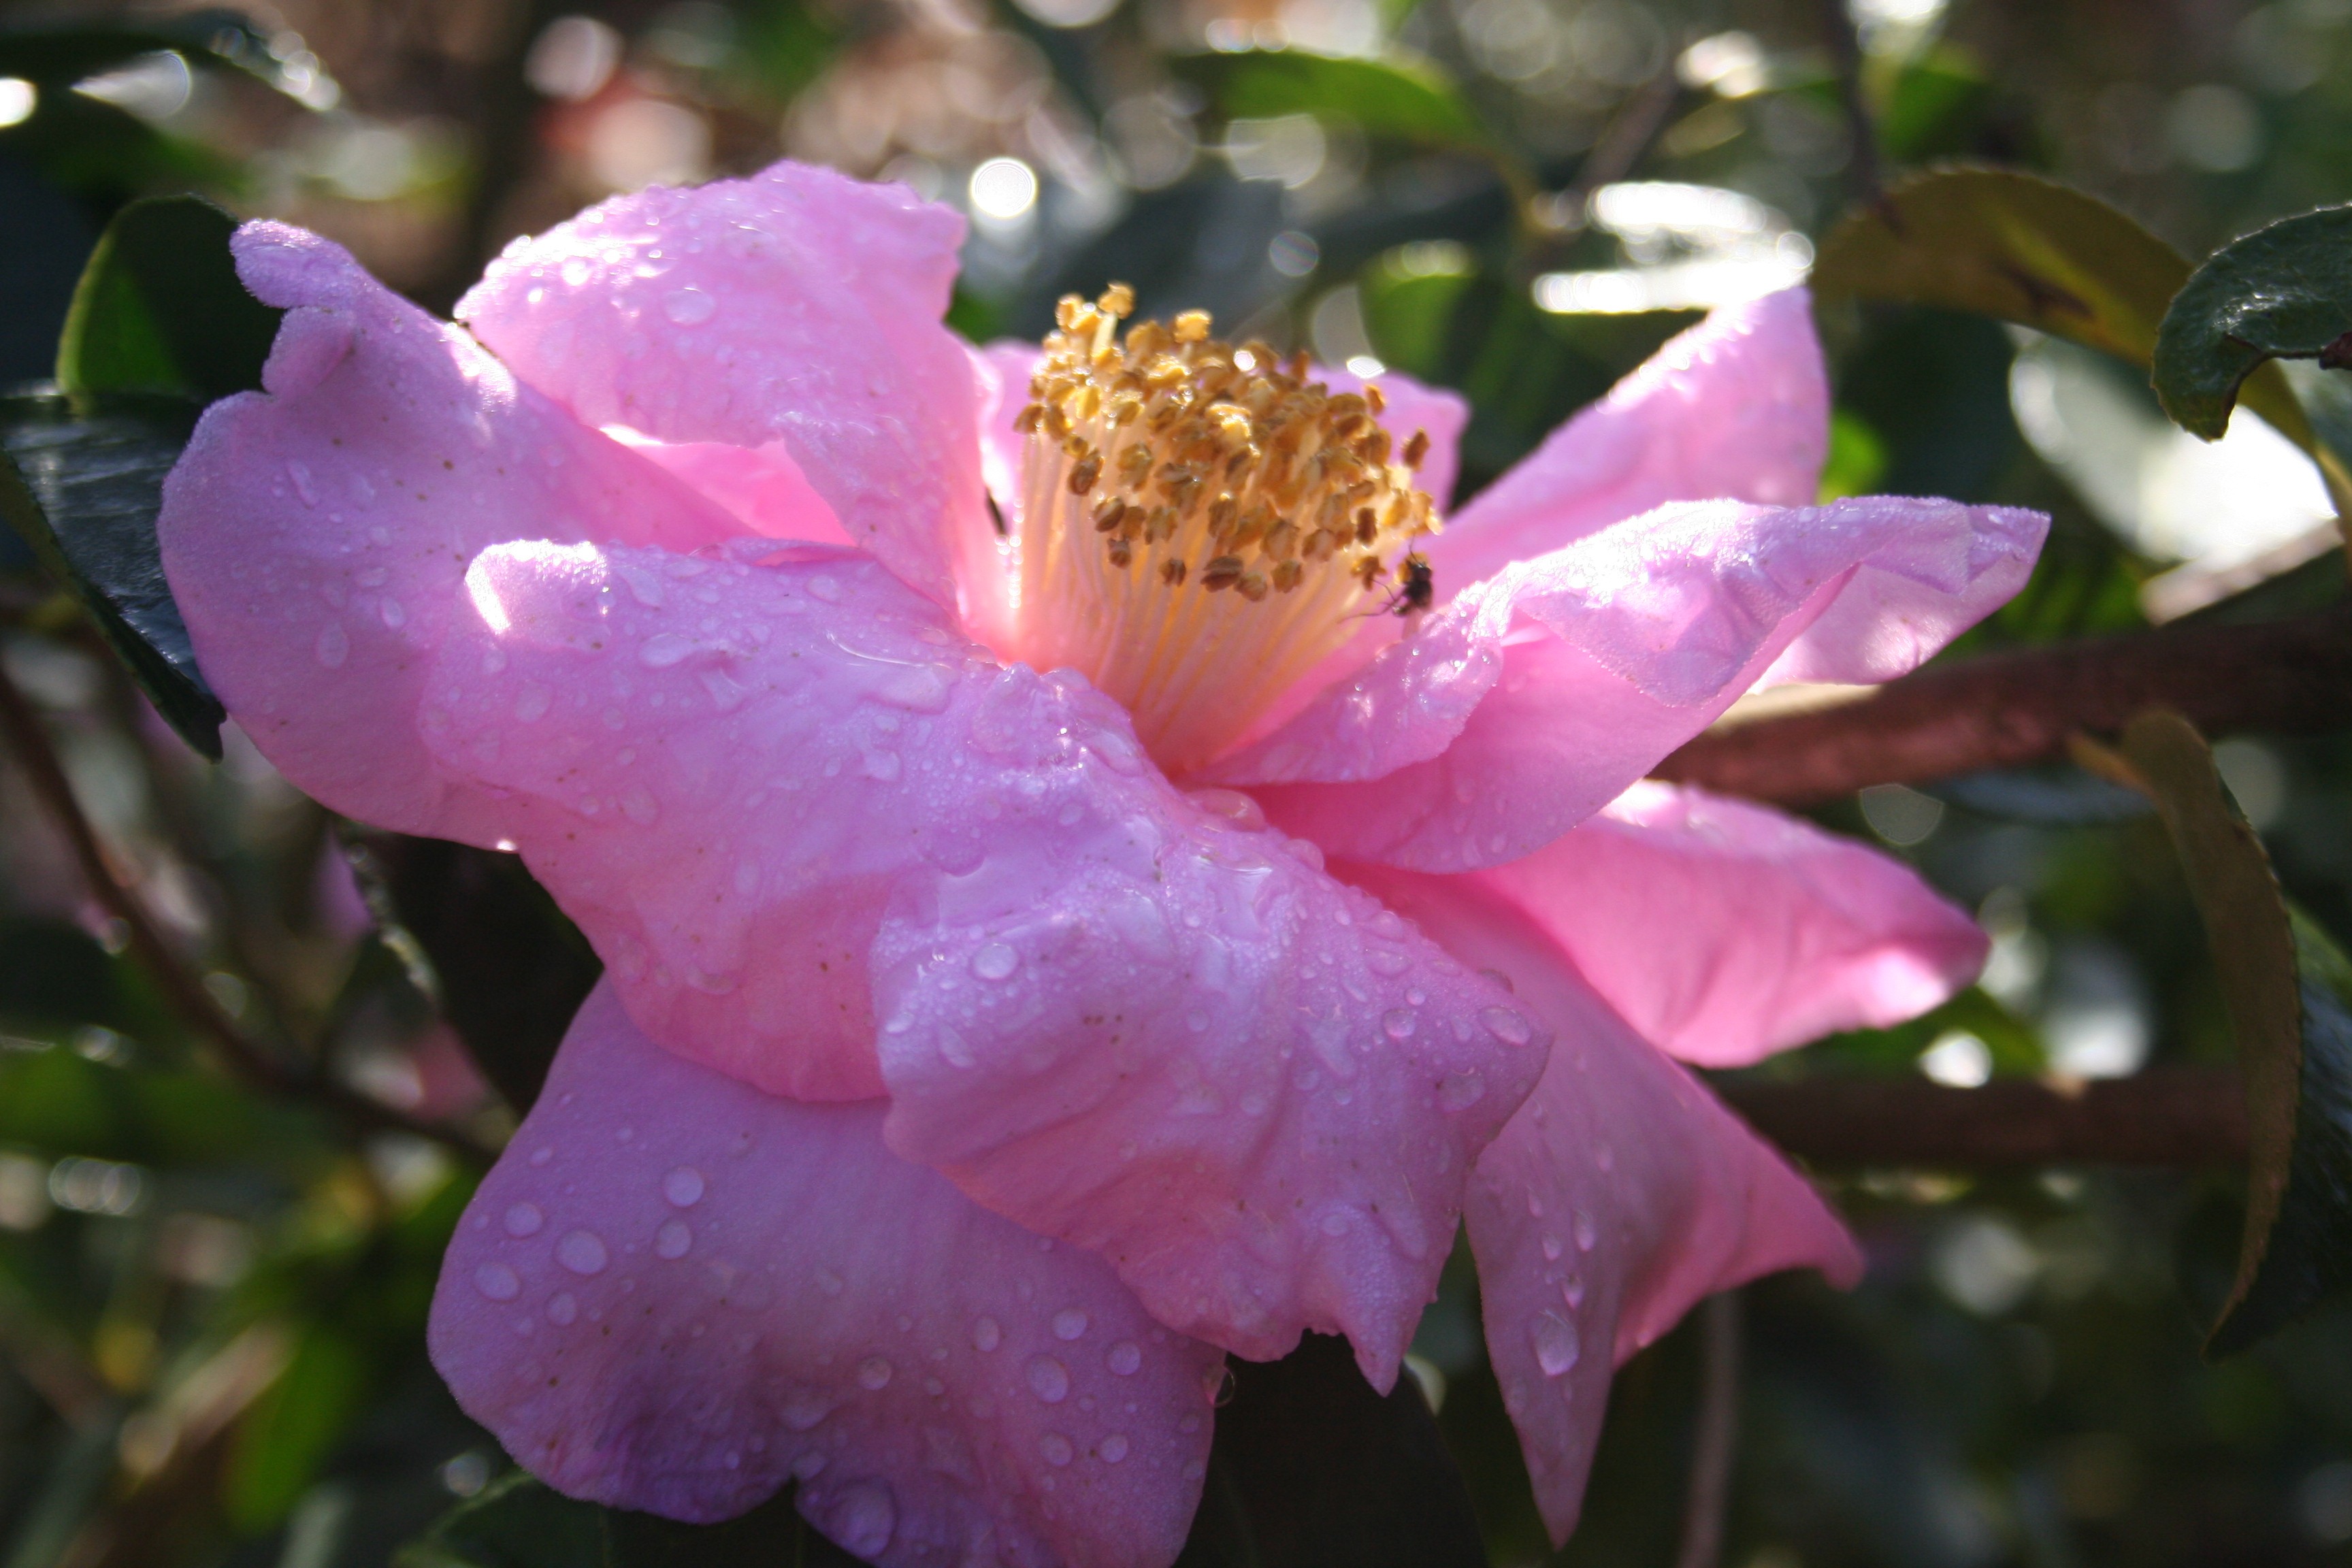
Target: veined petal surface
1536 697
677 1294
1620 1195
1724 931
798 306
316 535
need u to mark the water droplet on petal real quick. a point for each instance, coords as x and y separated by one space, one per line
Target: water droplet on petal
995 962
874 1373
1125 1358
1556 1343
1070 1323
1399 1023
1056 1449
1222 1386
683 1187
663 649
1587 1234
334 645
1049 1379
562 1309
497 1282
985 1335
1113 1448
524 1219
582 1252
1552 1248
864 1519
1461 1091
1335 1224
1506 1026
688 307
673 1239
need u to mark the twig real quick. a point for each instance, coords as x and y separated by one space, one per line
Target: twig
1862 165
185 994
1715 1439
1623 141
2178 1117
2008 709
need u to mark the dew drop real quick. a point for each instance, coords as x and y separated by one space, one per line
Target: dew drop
1057 1449
985 1335
865 1520
874 1373
1049 1379
582 1252
688 307
1113 1448
1587 1235
664 650
995 962
1552 1248
524 1219
497 1282
1399 1023
1461 1091
1506 1026
825 588
1556 1345
1125 1359
542 1154
804 1408
1070 1323
683 1187
532 703
1335 1224
1220 1386
334 645
673 1239
562 1309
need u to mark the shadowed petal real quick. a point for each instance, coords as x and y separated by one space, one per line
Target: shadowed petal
1620 1194
1536 697
316 535
676 1294
1737 407
797 307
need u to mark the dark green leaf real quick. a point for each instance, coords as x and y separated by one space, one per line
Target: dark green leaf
53 55
487 942
2021 248
159 308
1312 1470
1396 99
291 1429
2281 292
518 1522
2289 995
56 1101
82 483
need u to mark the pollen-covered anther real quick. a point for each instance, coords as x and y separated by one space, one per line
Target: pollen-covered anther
1169 467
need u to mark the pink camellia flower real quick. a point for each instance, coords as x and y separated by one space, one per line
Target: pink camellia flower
1045 957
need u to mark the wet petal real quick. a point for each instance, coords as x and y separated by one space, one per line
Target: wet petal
677 1294
316 535
1180 1044
1536 697
1001 371
1724 931
1620 1194
1737 407
797 307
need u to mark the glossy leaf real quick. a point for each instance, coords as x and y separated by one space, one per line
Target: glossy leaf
2025 249
159 308
2289 995
51 52
82 482
291 1429
1396 98
58 1103
2281 292
1310 1468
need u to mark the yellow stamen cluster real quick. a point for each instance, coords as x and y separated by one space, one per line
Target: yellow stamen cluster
1200 523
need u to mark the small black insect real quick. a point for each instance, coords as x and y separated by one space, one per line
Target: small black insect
1417 590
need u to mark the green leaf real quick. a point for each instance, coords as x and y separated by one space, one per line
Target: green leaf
292 1428
1310 1468
2288 992
485 942
1399 97
59 1103
2029 250
2281 292
82 482
50 54
159 308
519 1522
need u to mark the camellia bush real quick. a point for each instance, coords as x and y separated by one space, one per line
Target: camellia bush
1115 788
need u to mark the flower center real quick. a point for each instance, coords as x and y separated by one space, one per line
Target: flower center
1200 523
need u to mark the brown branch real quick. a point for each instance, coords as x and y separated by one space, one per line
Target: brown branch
2182 1117
244 1058
2007 710
1715 1442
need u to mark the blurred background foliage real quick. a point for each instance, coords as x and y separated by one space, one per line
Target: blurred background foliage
212 1300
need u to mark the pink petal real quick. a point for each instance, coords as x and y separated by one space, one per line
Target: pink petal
1737 407
315 535
1724 931
798 306
1002 371
1180 1044
1620 1194
674 1293
760 486
1536 697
